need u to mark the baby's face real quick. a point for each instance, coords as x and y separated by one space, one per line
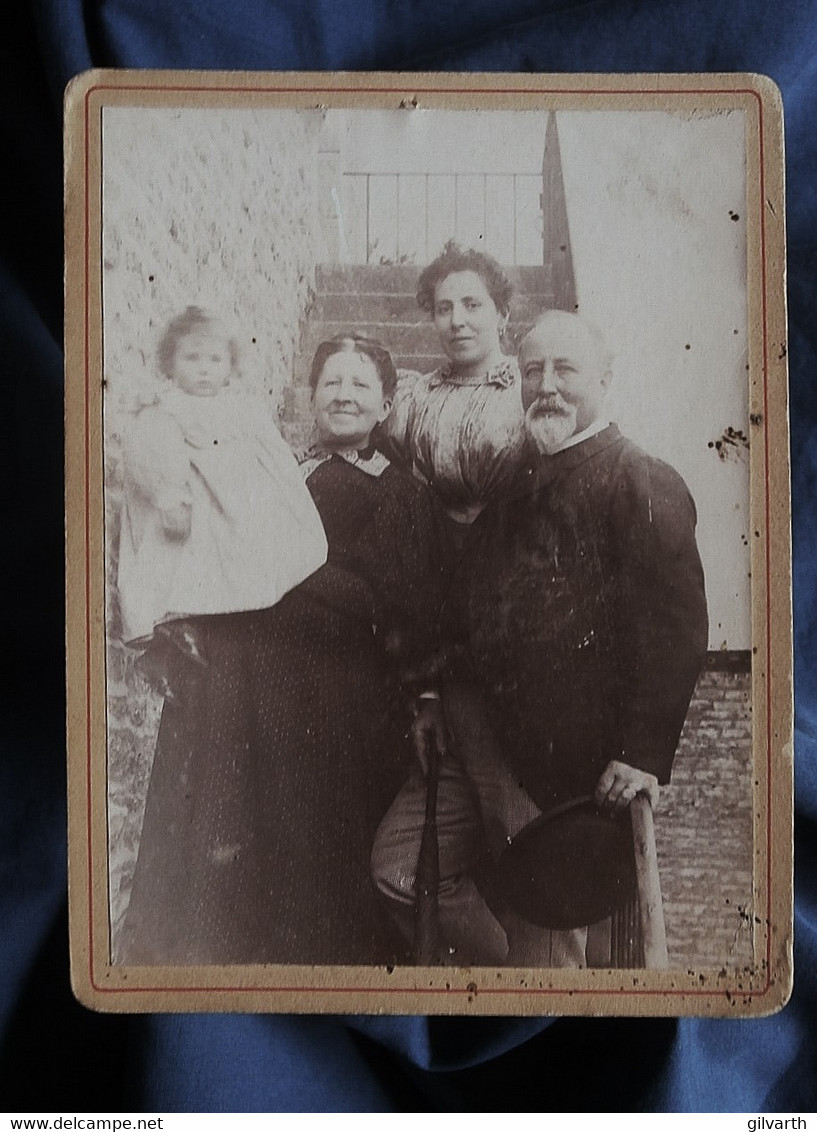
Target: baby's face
202 364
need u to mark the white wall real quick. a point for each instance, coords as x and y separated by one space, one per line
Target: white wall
661 267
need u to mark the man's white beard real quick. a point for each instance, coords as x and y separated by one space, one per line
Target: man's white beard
549 430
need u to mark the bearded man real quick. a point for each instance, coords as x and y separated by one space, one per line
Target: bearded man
578 618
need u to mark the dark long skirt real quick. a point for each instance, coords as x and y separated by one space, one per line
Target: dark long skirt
271 774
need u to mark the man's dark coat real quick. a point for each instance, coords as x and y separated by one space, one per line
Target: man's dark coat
582 607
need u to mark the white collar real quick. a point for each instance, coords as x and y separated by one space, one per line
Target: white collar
370 460
504 374
592 430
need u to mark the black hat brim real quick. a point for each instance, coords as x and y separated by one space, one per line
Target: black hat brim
570 867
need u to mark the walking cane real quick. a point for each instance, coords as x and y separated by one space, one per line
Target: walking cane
428 867
648 884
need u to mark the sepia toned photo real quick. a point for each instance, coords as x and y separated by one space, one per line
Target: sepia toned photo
427 512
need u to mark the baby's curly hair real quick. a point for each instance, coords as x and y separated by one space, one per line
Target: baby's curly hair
454 258
192 320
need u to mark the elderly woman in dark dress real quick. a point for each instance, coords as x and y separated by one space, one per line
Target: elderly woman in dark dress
276 762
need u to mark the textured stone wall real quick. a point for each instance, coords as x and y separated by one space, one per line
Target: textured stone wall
215 208
133 723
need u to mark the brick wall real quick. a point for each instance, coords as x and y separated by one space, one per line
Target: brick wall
703 826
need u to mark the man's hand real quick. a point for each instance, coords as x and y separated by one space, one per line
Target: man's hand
429 726
620 783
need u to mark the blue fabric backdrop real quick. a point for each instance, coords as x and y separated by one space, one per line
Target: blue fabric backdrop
54 1054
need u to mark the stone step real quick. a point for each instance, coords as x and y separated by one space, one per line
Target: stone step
296 401
421 363
296 406
371 279
397 279
352 307
399 337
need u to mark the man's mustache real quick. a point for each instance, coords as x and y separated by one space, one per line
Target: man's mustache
549 407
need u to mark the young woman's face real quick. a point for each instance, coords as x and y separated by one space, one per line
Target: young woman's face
467 322
202 363
348 401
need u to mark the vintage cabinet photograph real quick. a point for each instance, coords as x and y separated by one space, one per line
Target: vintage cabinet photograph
428 552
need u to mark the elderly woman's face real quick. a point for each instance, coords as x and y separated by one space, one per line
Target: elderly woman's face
467 320
348 400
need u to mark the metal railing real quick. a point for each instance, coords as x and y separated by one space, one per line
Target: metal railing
519 218
407 217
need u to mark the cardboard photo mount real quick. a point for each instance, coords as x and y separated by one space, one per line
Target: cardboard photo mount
752 453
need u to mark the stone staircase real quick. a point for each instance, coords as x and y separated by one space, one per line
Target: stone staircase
379 300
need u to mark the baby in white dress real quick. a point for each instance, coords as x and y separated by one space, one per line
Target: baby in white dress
216 516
